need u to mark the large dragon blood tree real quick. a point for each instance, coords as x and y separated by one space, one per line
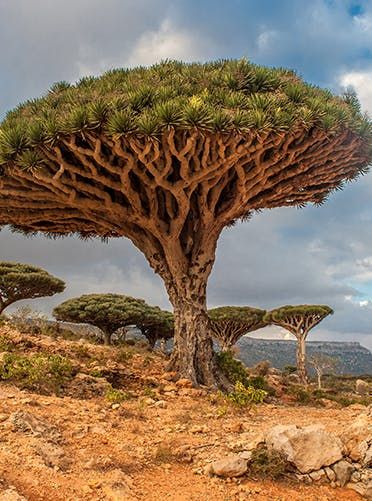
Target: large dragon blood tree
170 155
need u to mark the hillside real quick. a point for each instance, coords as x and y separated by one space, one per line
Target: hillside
106 423
353 358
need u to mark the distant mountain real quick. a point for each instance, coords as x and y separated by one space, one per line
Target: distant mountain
353 358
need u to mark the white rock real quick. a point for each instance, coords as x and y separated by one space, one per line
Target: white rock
357 437
330 474
309 448
231 466
318 475
362 387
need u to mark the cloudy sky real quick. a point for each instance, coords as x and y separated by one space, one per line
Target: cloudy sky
314 255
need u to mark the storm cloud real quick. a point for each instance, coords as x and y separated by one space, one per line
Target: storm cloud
320 255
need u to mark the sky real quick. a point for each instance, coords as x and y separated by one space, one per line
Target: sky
283 256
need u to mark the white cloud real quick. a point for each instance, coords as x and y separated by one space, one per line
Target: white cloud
361 82
168 42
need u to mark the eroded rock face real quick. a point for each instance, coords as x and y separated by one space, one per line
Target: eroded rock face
231 466
358 438
29 423
309 448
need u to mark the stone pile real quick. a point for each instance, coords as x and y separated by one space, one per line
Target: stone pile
314 455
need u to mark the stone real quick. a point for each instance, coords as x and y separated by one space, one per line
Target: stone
318 475
26 422
3 417
53 456
355 477
362 387
229 467
115 406
343 471
162 404
308 448
11 495
357 437
360 488
117 486
246 455
303 478
184 383
330 474
254 442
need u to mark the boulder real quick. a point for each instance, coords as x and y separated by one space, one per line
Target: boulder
308 448
362 387
231 466
343 471
318 475
357 437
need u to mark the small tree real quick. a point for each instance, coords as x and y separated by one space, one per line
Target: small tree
230 323
299 320
156 325
23 281
109 312
321 363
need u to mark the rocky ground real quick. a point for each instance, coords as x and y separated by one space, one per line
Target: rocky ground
153 442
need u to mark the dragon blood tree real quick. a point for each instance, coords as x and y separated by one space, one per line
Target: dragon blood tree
299 320
109 312
170 155
229 323
156 325
23 281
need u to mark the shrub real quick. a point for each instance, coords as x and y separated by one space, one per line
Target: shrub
36 372
245 396
289 369
117 396
262 368
233 369
268 464
301 395
123 356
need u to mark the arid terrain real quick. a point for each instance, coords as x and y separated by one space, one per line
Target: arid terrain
120 429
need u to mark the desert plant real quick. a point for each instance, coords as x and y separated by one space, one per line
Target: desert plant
38 372
230 323
115 396
169 156
245 396
299 320
234 370
23 281
268 464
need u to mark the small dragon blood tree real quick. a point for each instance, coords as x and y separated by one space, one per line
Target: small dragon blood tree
170 155
229 323
156 325
299 320
23 281
109 312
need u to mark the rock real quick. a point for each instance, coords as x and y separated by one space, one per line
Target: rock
357 437
168 388
254 442
26 422
117 487
343 471
367 460
53 456
149 401
161 403
246 455
303 478
318 475
330 474
11 495
309 448
3 417
184 383
362 387
199 429
362 489
115 406
355 477
229 467
86 386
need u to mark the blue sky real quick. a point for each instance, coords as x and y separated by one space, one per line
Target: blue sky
319 255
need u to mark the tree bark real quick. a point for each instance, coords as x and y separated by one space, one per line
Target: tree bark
301 358
107 338
319 380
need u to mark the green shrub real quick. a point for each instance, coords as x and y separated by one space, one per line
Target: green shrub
301 395
245 396
36 372
117 396
233 369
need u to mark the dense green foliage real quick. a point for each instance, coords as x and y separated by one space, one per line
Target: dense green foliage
23 281
246 396
233 369
221 96
287 313
109 312
36 372
239 314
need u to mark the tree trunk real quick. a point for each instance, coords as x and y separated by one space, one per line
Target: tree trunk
319 380
301 358
193 356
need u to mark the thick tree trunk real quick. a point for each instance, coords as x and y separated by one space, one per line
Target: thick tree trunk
107 338
301 358
319 380
193 356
